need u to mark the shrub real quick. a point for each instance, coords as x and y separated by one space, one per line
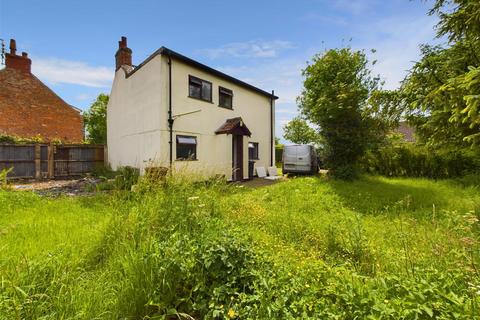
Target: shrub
417 161
345 172
5 138
126 178
202 273
104 172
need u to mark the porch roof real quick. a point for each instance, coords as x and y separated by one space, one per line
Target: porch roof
234 126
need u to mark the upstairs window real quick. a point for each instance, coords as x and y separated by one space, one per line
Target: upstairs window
225 97
186 148
199 89
253 151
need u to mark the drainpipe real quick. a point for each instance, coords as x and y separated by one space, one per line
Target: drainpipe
272 99
170 116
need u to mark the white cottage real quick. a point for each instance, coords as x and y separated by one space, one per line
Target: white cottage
175 112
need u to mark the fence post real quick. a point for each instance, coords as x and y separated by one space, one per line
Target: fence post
105 155
51 161
38 167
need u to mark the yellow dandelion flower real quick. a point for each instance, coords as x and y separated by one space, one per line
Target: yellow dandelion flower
231 313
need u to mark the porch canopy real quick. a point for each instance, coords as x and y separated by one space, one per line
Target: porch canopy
234 126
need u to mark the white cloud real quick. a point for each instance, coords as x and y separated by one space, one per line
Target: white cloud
249 49
58 71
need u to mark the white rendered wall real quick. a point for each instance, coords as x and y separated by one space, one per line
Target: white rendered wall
134 117
137 120
214 152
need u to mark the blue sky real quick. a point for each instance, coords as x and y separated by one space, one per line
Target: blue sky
266 43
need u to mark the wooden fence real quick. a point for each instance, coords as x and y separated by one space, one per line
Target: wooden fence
50 161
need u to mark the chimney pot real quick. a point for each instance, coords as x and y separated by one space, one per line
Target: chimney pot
123 43
123 57
13 46
20 63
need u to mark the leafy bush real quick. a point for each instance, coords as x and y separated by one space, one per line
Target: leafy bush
104 172
4 138
345 172
407 160
202 273
126 177
12 139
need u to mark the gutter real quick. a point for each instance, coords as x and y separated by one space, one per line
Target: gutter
170 116
196 64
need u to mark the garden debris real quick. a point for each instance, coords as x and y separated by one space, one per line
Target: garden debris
55 188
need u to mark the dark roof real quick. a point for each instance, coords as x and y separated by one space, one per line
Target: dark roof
193 63
406 130
234 126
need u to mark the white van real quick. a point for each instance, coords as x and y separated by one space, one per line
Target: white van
299 158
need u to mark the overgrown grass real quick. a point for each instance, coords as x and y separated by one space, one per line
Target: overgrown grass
304 248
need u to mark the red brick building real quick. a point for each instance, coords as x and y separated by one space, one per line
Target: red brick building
28 108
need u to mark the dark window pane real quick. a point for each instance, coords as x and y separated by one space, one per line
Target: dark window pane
195 90
196 81
206 91
253 150
186 148
225 91
225 100
225 97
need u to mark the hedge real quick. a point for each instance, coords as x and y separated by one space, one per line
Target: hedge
416 161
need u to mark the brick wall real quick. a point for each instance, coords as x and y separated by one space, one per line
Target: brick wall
28 108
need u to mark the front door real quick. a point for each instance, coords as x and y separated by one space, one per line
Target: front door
237 157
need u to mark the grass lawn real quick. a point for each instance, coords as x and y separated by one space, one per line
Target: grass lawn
304 248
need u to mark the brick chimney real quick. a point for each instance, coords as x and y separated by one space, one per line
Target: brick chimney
13 61
123 57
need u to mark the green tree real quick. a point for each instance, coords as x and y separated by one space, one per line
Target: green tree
298 131
95 120
337 86
442 90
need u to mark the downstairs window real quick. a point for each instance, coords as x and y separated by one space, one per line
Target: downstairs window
186 148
